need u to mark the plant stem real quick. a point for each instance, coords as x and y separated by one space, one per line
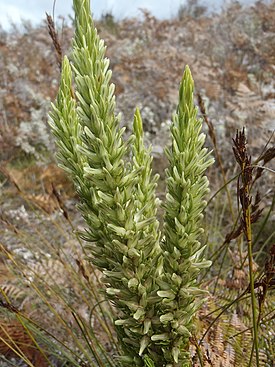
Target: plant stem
245 198
251 278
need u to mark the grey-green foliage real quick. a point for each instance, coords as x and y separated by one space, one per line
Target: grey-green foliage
151 280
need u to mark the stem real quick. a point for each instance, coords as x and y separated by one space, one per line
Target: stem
251 278
198 349
245 198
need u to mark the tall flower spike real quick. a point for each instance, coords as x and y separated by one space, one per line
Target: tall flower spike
145 255
122 229
65 125
146 185
186 189
153 288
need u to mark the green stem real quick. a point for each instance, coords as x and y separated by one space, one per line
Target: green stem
251 278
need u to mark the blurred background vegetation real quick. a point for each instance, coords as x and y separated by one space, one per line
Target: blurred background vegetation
51 309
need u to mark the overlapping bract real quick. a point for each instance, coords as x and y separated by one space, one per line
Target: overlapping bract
182 251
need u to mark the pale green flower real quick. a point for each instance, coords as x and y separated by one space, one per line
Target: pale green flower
152 283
